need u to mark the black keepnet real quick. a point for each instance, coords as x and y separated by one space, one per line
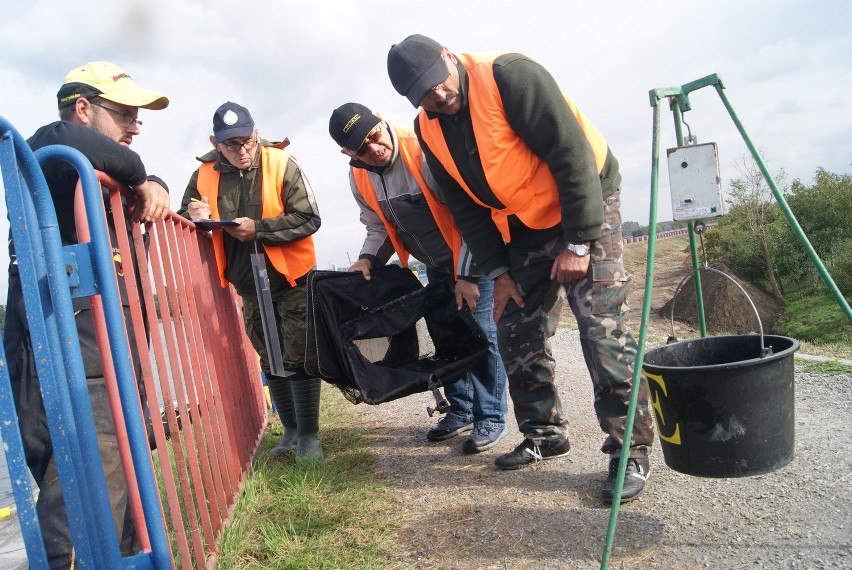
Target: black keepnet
345 311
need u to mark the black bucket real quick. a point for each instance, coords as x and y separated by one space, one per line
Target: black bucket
721 409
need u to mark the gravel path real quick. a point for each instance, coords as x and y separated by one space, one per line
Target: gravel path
464 513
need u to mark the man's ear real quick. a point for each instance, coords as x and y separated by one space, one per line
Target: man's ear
213 141
82 110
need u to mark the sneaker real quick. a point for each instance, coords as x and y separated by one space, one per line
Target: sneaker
484 436
448 427
638 470
528 452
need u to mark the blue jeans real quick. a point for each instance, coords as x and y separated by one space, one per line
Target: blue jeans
479 397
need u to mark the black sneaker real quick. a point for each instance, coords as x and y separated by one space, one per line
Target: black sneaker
638 470
528 452
448 427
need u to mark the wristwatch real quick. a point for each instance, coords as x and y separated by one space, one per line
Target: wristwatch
579 249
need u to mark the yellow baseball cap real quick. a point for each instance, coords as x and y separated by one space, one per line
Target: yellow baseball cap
107 81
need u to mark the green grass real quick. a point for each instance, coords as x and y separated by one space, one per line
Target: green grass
829 367
815 317
314 514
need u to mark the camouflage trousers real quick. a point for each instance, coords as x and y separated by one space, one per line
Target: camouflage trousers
599 303
291 307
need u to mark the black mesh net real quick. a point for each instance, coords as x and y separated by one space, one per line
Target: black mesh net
389 337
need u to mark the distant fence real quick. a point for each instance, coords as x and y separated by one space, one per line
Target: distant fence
662 235
200 373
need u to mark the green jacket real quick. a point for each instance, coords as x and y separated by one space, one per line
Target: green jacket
240 196
536 110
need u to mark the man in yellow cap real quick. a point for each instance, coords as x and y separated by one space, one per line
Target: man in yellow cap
99 107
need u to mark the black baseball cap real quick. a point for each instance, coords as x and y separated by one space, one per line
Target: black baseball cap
350 124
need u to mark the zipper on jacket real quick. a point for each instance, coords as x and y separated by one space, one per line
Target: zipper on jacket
397 223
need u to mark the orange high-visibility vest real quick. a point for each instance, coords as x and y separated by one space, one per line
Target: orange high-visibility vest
292 260
519 179
412 157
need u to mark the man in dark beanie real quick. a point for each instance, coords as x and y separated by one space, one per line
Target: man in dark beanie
535 191
262 189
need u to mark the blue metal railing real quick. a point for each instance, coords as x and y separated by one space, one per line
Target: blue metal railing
44 267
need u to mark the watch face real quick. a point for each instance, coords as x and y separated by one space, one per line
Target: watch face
579 248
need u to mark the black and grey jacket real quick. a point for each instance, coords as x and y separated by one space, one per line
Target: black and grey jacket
403 204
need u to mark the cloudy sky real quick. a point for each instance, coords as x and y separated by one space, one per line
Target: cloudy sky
785 65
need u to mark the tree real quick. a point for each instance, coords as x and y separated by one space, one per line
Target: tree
758 210
824 211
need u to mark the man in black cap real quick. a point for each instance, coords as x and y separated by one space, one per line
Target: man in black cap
535 191
262 188
403 216
99 106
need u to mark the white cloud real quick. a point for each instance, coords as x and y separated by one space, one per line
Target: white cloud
784 64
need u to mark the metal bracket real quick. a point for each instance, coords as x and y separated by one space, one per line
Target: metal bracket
442 406
79 269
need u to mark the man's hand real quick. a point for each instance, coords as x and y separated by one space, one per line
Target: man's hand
364 266
243 232
504 291
466 292
198 210
569 267
152 202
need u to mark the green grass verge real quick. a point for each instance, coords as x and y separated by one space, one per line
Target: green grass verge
815 317
830 367
314 514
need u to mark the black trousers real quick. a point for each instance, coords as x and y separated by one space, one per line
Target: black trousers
36 435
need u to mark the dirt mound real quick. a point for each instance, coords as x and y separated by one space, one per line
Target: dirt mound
726 308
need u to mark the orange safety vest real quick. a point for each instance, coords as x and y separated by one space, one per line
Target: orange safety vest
412 157
292 260
519 179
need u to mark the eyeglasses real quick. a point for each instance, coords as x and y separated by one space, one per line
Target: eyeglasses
372 138
248 144
124 119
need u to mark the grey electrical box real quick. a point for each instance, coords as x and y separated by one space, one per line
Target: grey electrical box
695 182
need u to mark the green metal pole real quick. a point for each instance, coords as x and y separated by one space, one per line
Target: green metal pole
693 246
640 350
696 277
782 203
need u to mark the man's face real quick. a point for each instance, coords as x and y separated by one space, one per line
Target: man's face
240 151
114 120
376 149
445 97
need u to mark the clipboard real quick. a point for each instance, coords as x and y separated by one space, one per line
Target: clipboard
214 224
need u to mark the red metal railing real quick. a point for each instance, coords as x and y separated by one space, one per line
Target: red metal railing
200 375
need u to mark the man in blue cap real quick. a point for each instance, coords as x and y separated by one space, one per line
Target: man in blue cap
262 188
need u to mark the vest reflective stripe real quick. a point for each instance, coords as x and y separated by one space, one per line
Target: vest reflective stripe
412 158
292 260
517 177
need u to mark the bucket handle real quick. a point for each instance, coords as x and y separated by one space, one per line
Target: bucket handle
764 350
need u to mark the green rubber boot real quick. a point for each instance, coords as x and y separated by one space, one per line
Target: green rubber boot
282 396
306 398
